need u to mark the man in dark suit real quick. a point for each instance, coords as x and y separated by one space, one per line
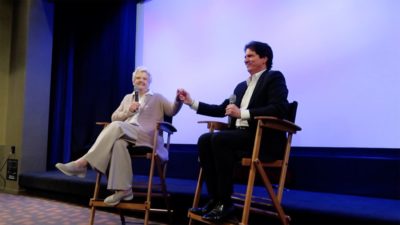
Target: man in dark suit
264 93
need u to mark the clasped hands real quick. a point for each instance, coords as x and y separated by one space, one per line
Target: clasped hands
231 110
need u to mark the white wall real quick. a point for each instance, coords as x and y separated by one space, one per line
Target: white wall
340 58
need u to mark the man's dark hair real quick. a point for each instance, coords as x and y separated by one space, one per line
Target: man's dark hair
262 49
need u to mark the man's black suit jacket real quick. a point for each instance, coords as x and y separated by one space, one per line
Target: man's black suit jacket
268 99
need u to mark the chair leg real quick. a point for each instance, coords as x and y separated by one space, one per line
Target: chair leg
198 189
164 189
92 214
197 193
121 215
149 189
95 196
270 190
146 214
249 194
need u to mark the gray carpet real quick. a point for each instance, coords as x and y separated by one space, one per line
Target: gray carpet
30 210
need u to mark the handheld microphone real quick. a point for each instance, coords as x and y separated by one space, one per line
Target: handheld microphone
136 94
232 100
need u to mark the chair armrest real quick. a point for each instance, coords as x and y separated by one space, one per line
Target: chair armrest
104 124
278 124
215 125
166 127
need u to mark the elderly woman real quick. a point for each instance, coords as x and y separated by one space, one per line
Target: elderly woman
134 119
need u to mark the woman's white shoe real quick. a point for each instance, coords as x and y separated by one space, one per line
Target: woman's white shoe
114 199
72 169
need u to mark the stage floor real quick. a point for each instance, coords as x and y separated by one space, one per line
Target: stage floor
304 207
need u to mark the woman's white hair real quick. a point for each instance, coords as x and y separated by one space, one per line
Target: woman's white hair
140 69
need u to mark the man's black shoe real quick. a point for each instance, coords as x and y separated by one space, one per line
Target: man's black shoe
205 209
220 212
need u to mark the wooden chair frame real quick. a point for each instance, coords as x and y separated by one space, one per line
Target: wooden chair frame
149 186
257 166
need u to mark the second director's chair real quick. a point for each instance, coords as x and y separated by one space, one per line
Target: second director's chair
271 204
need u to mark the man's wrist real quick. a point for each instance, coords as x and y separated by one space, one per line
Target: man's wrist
194 105
190 104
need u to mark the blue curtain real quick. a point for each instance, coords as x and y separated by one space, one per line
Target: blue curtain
93 60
